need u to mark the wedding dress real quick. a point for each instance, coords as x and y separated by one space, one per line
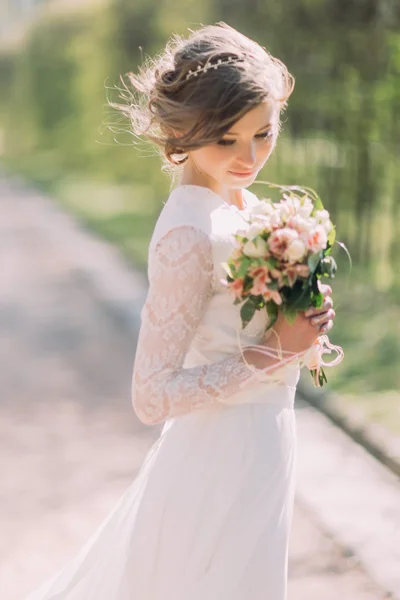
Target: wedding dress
208 517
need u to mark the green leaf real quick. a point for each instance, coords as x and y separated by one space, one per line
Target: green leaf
290 314
232 267
317 300
313 261
273 285
318 203
272 310
247 312
302 302
297 297
322 377
271 262
244 267
226 267
332 237
259 302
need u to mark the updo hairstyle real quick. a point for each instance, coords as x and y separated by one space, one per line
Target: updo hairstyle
180 110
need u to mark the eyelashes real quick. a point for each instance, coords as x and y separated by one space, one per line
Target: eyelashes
265 135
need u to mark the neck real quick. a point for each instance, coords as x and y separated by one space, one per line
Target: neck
191 176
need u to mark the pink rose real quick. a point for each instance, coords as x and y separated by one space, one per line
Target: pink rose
280 240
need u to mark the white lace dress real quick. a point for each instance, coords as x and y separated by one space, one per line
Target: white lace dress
208 516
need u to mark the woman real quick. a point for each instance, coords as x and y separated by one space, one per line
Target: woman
209 515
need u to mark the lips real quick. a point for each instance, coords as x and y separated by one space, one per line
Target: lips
242 173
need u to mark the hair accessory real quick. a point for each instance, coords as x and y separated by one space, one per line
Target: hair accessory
209 65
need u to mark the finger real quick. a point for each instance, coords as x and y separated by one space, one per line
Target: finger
322 318
324 288
327 304
326 327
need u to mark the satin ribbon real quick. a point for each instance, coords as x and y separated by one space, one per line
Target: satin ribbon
312 358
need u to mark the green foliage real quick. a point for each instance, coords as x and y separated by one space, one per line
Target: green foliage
7 73
340 133
247 311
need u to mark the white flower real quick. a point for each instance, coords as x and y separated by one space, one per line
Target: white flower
296 251
322 215
276 219
262 208
306 207
328 226
285 210
256 249
301 224
323 218
293 205
255 229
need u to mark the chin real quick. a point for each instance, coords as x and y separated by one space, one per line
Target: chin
238 184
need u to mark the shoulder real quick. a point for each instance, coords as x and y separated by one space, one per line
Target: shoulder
193 202
187 206
179 246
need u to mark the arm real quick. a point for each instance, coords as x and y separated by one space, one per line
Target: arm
180 285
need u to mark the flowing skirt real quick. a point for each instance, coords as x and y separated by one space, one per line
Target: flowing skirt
207 518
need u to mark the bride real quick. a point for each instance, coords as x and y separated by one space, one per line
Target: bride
209 515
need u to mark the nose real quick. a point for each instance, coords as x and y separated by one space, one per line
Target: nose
247 156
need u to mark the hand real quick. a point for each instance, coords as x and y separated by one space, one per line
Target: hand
296 337
322 318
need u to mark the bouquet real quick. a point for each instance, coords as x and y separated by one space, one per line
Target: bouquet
280 258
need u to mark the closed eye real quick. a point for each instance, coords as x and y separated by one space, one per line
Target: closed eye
264 135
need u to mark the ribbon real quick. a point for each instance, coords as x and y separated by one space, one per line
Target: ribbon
312 358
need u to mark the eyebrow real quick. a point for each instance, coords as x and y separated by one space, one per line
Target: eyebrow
261 129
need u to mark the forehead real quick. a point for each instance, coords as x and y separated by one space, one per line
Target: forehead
258 117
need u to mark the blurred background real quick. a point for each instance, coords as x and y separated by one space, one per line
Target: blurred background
60 61
341 133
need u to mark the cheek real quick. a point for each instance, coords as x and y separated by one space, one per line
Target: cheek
220 155
211 159
266 149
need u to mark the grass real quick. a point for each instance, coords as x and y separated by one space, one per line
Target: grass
367 326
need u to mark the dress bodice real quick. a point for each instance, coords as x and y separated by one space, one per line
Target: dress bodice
189 352
220 328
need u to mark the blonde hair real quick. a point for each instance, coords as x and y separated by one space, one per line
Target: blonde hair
179 112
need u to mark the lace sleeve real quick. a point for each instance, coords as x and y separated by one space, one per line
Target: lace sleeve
180 285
